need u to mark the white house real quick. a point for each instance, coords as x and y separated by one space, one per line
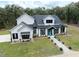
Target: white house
38 25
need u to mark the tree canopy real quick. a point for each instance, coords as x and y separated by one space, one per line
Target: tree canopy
68 14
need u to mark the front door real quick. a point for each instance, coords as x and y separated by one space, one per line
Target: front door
49 32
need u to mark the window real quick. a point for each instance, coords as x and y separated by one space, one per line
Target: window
34 31
56 31
25 35
49 21
15 35
42 31
62 29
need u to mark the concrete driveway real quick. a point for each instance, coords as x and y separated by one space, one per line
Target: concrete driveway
5 38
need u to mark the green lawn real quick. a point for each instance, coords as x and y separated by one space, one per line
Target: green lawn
3 32
72 37
40 47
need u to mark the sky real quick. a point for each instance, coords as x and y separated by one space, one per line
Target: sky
36 3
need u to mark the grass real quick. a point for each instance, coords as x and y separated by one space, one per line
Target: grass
40 47
3 32
72 37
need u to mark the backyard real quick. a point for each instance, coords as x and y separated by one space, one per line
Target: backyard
40 47
71 38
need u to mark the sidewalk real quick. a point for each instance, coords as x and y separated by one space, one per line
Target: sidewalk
60 45
66 51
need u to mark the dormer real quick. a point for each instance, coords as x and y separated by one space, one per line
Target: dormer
49 20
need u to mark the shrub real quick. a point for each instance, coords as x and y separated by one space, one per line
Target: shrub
48 37
70 47
54 43
61 49
58 39
62 42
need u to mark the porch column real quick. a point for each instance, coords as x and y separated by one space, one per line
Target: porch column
19 37
31 36
59 30
46 32
65 29
39 31
11 37
52 32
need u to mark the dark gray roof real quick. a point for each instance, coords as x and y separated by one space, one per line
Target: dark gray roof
39 19
57 20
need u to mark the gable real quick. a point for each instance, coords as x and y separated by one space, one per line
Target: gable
25 28
26 19
14 29
50 20
20 27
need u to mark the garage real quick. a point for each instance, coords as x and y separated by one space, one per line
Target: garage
25 35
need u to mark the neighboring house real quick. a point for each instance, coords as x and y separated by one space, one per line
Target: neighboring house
37 25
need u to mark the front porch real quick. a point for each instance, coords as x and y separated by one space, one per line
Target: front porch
49 31
43 32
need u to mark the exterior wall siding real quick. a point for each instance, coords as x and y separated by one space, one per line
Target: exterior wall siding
48 18
27 29
15 30
25 18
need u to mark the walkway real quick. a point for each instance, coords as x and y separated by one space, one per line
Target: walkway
66 51
5 38
60 45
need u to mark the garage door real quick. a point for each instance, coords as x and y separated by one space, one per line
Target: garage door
25 35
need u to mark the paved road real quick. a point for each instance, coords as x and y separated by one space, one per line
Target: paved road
5 38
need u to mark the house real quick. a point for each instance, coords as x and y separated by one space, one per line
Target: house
37 25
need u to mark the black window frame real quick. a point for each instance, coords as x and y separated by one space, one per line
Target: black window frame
34 31
42 31
56 31
62 29
49 21
15 35
25 35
